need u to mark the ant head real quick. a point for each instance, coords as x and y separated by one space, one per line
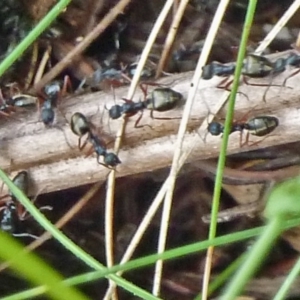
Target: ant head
215 128
111 159
207 71
79 124
115 112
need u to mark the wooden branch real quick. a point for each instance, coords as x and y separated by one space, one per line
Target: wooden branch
25 143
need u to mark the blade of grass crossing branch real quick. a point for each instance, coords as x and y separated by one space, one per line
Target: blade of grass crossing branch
223 150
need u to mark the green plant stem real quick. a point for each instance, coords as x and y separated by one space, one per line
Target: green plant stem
151 259
293 274
66 242
33 35
229 118
31 267
254 259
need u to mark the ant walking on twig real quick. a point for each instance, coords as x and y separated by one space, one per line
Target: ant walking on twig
82 127
258 126
52 94
254 66
160 99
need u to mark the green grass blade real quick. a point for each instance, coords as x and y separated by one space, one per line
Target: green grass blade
254 259
151 259
229 118
282 205
35 270
33 35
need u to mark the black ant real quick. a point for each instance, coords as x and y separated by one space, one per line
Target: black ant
52 93
13 213
81 126
253 66
259 126
161 99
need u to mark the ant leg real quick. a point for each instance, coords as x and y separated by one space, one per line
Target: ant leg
241 139
83 145
127 100
227 85
138 120
64 133
22 213
90 151
254 143
66 85
162 118
291 75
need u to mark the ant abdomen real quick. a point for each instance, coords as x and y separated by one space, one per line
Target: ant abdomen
261 125
111 159
163 99
79 124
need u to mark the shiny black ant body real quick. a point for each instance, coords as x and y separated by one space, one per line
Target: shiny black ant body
11 214
81 127
254 66
258 126
160 99
52 92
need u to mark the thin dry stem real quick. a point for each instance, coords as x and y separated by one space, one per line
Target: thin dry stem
111 180
279 25
171 36
179 143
